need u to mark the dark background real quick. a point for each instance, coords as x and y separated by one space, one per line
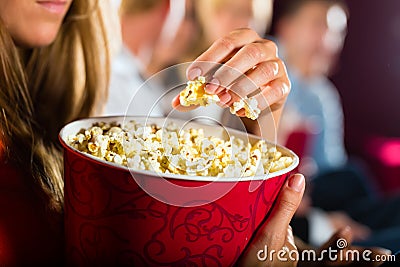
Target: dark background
368 77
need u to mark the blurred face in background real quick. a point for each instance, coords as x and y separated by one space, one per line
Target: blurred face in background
142 21
33 23
313 36
219 17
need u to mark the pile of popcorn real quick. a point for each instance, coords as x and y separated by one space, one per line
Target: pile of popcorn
195 94
177 151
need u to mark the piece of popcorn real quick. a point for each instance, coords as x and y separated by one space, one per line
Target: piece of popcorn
287 161
177 164
117 159
253 165
250 106
242 156
102 142
196 135
134 162
94 131
250 170
277 165
276 155
132 147
143 132
233 170
260 170
172 139
172 127
222 151
114 131
189 152
207 148
155 165
195 94
262 146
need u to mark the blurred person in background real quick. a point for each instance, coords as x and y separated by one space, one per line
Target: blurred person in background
216 18
310 34
141 24
154 33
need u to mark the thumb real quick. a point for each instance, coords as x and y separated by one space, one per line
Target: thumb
287 203
273 231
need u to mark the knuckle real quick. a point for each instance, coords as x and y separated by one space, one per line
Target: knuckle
274 239
268 70
254 52
226 74
272 47
280 88
227 43
252 33
239 89
287 207
246 31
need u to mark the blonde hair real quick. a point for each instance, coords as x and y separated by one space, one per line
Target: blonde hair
42 89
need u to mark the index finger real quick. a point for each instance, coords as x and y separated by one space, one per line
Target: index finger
220 51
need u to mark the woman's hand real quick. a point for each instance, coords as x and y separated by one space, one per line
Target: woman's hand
243 64
340 220
275 233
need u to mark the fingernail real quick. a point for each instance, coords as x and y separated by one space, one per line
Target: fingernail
275 68
194 73
241 113
285 89
346 230
225 98
296 182
176 98
212 86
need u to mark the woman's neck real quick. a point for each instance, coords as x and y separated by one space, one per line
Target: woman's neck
24 54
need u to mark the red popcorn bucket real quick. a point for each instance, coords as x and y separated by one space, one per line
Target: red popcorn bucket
116 216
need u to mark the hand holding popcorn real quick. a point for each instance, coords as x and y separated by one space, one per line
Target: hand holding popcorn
247 74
